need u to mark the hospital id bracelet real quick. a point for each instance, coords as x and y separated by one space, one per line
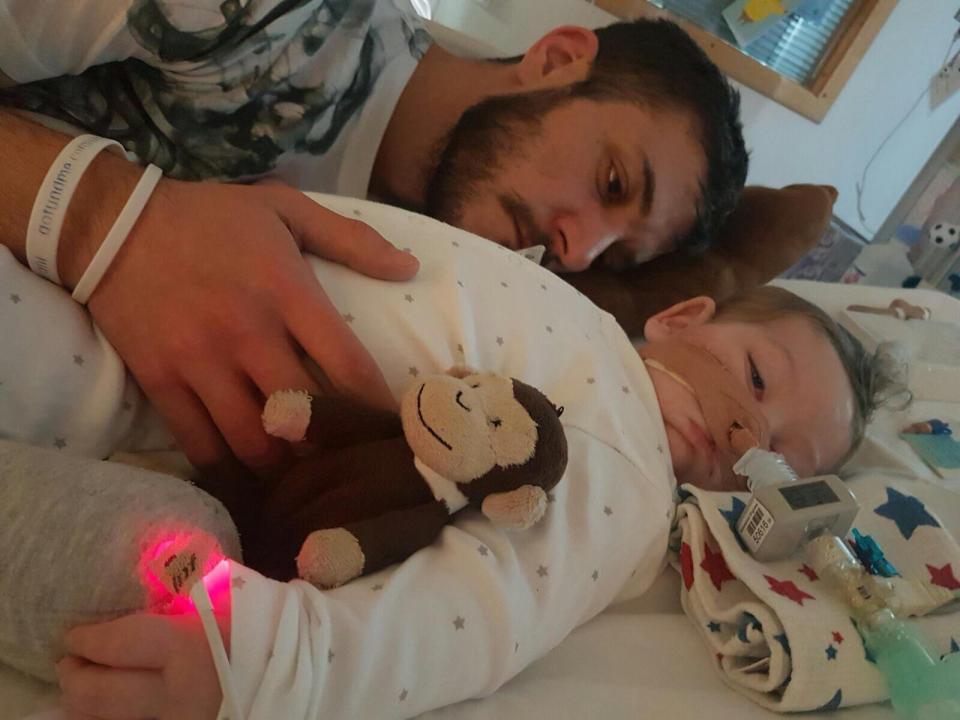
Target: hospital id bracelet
53 199
118 234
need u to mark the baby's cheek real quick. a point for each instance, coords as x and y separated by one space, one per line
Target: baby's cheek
680 455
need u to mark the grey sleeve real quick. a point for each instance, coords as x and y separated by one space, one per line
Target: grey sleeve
72 535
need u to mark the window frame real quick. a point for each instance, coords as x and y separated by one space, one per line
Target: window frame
813 100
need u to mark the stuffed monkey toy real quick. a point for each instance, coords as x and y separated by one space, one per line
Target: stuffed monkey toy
374 488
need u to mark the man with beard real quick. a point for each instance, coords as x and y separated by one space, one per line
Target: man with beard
624 142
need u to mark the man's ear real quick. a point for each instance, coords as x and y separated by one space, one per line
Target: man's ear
561 57
689 313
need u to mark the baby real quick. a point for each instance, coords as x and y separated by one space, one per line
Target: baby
463 616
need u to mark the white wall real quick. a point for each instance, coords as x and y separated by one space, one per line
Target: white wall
787 148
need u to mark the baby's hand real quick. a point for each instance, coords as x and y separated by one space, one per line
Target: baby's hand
143 665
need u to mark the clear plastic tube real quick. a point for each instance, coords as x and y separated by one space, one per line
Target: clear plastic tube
763 468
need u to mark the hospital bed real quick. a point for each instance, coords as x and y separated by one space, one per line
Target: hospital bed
644 658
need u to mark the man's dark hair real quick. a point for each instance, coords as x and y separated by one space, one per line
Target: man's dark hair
655 63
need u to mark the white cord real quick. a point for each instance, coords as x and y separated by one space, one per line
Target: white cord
201 599
118 234
861 186
53 199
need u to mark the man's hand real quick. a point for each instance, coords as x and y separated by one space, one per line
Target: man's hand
212 307
138 666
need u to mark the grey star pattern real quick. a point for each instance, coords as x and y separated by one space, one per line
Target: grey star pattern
516 646
607 510
542 571
59 443
460 283
500 341
503 284
237 583
78 359
378 586
348 318
660 449
542 286
626 390
330 656
459 623
413 371
483 550
596 574
551 497
357 213
407 250
549 329
403 695
455 243
408 297
14 298
590 381
460 348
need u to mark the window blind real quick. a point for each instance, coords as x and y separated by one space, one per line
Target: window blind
792 47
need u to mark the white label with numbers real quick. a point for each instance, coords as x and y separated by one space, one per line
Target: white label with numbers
756 524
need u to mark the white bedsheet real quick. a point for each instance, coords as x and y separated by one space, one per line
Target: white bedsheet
644 658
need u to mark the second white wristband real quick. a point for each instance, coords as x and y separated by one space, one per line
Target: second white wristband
118 234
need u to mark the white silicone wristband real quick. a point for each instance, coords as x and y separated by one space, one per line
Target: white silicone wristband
53 199
118 234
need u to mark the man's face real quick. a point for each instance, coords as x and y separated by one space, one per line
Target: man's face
578 177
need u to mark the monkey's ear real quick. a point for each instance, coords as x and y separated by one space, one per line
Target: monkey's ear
517 509
461 371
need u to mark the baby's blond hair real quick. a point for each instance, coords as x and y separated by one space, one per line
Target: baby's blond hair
870 378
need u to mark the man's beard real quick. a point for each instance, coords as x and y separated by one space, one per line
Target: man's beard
470 156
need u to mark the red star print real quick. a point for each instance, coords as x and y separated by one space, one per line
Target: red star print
943 576
788 590
686 565
714 564
809 572
837 637
719 657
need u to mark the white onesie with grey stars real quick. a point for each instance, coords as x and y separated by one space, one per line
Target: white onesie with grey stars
463 616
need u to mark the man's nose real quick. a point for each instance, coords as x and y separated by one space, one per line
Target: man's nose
577 240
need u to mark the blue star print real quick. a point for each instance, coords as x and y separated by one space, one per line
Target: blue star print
831 652
834 702
782 639
714 626
907 512
733 514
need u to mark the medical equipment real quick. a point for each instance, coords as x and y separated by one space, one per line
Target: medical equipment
786 514
182 565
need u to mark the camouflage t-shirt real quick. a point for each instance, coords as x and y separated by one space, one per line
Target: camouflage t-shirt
225 89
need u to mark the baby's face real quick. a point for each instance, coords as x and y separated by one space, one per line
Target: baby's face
795 375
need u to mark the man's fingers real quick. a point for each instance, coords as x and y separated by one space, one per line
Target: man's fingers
190 424
236 406
278 366
342 240
319 328
138 642
91 690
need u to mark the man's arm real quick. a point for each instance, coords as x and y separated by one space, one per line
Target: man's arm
209 302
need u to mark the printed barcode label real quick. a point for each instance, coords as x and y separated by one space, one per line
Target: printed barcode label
756 523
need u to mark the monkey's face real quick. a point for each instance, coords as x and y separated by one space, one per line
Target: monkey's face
463 427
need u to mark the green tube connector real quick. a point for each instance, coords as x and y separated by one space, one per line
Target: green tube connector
921 686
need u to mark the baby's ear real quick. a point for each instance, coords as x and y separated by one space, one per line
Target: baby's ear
689 313
461 371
